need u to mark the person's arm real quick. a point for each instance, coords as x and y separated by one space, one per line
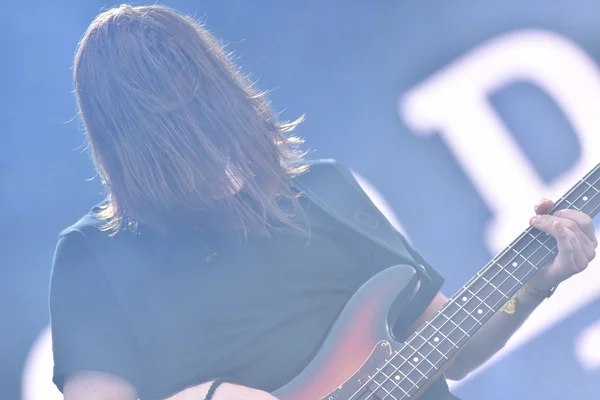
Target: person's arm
94 385
489 339
92 348
225 391
576 242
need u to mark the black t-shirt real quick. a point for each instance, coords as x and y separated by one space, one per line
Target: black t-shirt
167 312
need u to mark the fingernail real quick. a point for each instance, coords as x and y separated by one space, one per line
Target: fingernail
539 203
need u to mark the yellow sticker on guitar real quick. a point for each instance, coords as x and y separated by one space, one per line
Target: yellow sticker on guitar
511 305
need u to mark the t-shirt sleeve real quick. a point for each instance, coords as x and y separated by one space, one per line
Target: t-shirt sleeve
89 331
433 283
430 285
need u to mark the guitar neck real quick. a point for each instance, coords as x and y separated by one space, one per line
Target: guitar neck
436 342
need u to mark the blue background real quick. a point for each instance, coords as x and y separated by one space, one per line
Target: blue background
345 65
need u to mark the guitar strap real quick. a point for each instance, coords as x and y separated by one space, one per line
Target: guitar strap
333 188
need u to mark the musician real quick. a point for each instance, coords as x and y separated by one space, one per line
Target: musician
203 274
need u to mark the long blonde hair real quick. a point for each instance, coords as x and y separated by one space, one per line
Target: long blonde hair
174 127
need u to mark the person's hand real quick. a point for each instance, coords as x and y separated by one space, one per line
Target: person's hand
576 241
228 391
225 391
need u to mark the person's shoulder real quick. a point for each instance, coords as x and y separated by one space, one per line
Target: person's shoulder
87 225
327 173
323 170
89 239
93 228
87 246
320 163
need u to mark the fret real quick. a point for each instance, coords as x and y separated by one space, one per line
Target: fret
415 368
419 358
532 253
393 386
511 258
486 293
519 282
391 383
572 196
400 380
529 272
518 259
582 200
472 303
521 271
447 339
572 206
429 347
437 351
537 239
442 343
453 332
590 185
538 255
495 288
409 369
380 389
454 324
592 176
506 258
476 296
434 355
518 245
411 354
404 359
462 308
591 207
501 279
463 317
385 394
580 196
389 369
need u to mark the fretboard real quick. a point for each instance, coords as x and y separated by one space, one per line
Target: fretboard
428 349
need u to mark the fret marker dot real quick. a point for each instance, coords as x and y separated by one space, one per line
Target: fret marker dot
436 339
515 264
464 298
416 359
585 198
397 377
480 311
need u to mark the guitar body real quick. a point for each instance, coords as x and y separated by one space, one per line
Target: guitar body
359 342
360 360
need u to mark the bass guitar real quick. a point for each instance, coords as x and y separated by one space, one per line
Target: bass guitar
360 359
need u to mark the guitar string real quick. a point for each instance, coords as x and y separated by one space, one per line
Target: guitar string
424 357
469 314
462 291
525 259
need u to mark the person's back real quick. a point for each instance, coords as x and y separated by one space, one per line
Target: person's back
167 311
